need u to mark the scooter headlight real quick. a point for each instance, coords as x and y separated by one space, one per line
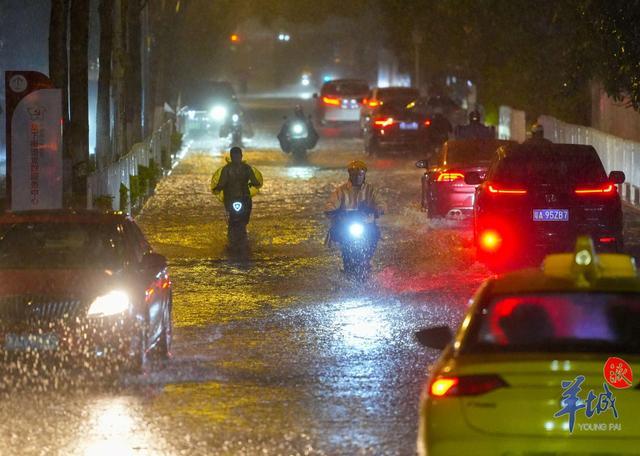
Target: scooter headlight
297 129
237 206
235 117
356 230
219 113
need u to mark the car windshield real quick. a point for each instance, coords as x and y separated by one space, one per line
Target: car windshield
551 165
60 246
346 88
466 152
557 322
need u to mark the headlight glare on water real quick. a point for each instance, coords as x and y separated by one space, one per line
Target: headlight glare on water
112 303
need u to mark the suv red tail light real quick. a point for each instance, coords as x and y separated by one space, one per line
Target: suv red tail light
449 176
501 190
468 385
383 122
605 189
332 101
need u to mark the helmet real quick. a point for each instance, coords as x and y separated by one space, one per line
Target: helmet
474 116
298 111
357 172
357 165
537 130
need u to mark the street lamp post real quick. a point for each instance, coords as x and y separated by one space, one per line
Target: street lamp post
417 42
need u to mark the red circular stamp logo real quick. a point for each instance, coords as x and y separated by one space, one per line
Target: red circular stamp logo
617 373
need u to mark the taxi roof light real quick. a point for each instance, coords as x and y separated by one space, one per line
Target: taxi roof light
585 266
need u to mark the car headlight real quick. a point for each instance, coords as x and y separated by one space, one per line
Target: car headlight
356 229
112 303
219 113
191 114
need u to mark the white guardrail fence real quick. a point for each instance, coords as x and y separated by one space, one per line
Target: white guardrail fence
106 182
617 154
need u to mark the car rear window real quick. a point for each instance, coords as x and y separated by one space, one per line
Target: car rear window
346 88
557 322
404 93
550 165
60 246
467 152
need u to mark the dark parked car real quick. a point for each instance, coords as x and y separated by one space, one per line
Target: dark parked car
81 287
538 197
444 192
394 128
380 96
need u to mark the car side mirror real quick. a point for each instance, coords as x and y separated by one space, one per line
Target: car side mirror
315 95
153 262
472 178
422 164
617 177
437 337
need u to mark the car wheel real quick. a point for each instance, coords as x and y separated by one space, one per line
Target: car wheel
166 336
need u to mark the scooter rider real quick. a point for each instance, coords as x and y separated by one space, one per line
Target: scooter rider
355 195
289 130
235 180
537 135
475 129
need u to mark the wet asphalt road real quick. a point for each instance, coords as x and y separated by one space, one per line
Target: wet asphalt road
275 352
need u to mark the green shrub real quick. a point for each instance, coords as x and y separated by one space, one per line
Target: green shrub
103 202
124 198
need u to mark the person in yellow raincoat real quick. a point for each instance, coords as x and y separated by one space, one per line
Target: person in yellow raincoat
235 184
355 197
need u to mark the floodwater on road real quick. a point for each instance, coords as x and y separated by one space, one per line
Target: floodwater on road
275 352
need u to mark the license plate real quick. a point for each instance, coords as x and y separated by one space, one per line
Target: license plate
408 126
551 215
24 342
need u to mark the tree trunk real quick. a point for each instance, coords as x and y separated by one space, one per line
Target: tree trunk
103 122
79 99
59 75
58 49
119 90
134 75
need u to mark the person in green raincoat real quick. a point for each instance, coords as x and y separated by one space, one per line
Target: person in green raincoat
237 181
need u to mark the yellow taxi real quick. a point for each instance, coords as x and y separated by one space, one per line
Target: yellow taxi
542 363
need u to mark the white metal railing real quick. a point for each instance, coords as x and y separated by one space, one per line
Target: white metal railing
616 153
107 181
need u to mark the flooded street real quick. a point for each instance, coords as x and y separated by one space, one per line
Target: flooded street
276 352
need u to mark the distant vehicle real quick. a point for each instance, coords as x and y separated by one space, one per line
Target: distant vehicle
379 96
394 128
529 366
537 198
340 100
449 108
237 127
81 287
207 104
444 192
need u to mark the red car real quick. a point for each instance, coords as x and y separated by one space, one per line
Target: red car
81 286
444 192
